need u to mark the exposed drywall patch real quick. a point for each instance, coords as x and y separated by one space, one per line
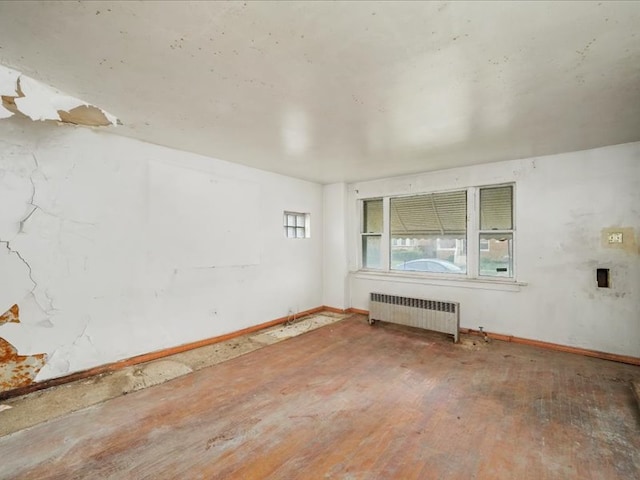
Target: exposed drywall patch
8 90
17 370
85 115
11 316
24 95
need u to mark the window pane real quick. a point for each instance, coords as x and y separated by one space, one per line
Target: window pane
371 251
372 216
300 220
425 254
497 259
291 220
496 208
300 232
443 214
291 232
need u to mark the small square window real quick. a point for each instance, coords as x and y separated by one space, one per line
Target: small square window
296 225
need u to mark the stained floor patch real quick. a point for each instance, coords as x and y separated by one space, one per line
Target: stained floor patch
51 403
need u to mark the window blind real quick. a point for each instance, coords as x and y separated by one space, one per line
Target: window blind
433 214
496 208
372 216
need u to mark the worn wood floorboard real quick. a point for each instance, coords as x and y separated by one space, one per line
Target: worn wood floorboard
350 401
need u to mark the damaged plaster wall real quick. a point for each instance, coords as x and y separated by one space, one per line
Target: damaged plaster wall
84 253
22 95
16 370
564 204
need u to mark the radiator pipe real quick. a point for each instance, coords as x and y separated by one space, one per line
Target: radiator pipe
484 334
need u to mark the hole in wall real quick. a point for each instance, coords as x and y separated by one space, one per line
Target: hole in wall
602 276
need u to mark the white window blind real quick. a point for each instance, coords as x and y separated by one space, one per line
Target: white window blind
496 210
432 214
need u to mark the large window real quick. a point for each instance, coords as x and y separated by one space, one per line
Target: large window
468 233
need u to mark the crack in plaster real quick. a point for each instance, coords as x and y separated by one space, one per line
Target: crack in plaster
21 230
84 333
38 207
33 195
51 308
31 278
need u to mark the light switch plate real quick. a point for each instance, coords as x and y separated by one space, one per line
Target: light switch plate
615 237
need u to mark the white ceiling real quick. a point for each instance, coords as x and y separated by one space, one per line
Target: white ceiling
343 91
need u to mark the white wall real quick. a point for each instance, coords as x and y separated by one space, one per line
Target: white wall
563 203
335 257
136 247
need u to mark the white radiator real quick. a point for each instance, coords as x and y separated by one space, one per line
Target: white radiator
416 312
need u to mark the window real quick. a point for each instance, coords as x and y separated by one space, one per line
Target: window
296 225
430 233
435 227
371 233
496 231
447 244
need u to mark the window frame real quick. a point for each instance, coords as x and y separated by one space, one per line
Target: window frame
512 232
472 239
362 234
305 228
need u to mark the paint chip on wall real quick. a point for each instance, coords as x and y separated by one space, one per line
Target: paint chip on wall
16 370
11 316
25 96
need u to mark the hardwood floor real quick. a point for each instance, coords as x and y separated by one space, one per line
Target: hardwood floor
350 401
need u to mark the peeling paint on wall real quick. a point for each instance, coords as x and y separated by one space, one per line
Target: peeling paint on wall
23 95
79 256
11 316
16 370
85 115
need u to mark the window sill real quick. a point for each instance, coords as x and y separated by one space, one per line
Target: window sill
441 281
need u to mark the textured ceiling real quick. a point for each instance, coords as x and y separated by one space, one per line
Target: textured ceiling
343 91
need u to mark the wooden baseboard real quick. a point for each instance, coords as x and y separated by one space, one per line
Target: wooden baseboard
556 346
538 343
358 311
326 308
147 357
